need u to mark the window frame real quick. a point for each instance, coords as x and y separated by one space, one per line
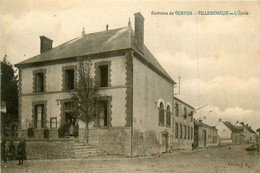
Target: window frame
161 114
97 73
35 80
168 116
176 109
53 118
65 84
176 131
44 114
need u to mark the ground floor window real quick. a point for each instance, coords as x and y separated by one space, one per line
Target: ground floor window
176 130
180 131
188 132
38 116
102 113
185 132
191 132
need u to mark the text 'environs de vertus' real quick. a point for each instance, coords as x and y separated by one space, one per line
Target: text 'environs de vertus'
188 13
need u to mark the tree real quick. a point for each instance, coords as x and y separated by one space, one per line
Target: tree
85 95
9 89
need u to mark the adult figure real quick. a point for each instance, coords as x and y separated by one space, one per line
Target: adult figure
30 131
61 131
11 150
76 130
3 150
21 151
13 130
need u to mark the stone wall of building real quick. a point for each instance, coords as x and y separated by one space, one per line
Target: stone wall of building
114 140
149 90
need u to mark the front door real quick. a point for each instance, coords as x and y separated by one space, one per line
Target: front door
204 134
164 143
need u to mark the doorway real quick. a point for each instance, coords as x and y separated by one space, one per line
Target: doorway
164 143
204 135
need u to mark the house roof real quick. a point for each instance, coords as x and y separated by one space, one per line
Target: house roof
231 127
198 123
247 127
182 102
94 43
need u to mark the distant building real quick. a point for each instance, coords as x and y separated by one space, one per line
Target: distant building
228 133
249 135
205 135
183 125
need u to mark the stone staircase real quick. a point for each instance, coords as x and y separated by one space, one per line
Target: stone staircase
83 150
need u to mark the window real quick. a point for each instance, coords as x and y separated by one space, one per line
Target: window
53 123
102 116
177 109
191 132
168 117
161 115
39 82
176 130
185 112
69 79
188 132
180 131
103 69
191 116
185 132
38 116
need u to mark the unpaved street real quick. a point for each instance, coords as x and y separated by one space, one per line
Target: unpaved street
226 159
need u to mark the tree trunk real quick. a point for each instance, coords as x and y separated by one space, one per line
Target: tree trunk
86 132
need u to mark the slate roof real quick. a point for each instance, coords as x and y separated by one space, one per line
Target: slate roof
248 128
231 127
99 42
196 122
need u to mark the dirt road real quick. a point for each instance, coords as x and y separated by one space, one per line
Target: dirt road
226 159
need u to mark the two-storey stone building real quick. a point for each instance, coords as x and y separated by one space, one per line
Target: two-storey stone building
137 102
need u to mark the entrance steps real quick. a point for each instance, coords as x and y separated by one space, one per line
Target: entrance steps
83 150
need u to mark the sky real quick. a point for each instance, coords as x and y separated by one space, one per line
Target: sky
217 57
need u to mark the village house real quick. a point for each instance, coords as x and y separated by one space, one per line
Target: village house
137 102
183 125
249 135
228 133
205 135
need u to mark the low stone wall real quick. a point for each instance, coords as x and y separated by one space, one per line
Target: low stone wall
39 134
181 144
48 149
114 141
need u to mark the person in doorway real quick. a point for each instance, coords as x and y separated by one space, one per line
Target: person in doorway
11 151
21 151
76 130
71 129
3 150
30 131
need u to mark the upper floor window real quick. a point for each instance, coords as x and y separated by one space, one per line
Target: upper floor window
161 114
177 109
180 131
102 73
168 117
69 79
185 131
185 112
103 78
191 129
39 81
188 132
191 116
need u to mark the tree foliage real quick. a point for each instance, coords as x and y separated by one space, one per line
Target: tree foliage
9 88
85 94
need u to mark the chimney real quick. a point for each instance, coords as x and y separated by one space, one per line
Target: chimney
46 44
139 31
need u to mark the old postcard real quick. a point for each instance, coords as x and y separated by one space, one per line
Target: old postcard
130 86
